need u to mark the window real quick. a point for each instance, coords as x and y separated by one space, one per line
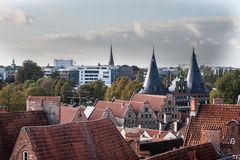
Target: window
232 141
146 109
141 115
146 115
150 116
25 155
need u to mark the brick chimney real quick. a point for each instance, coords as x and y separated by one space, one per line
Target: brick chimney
194 107
217 101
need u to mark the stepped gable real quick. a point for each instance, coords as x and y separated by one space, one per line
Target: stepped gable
137 106
68 113
213 117
156 101
118 109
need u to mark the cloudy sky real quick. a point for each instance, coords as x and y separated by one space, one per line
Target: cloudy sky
83 30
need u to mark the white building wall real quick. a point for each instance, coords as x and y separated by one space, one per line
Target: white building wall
88 74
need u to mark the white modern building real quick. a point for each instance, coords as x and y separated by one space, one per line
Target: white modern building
88 74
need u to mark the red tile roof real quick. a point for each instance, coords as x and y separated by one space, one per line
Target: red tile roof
156 101
96 114
10 126
2 110
44 98
85 140
67 113
137 106
204 151
118 109
212 117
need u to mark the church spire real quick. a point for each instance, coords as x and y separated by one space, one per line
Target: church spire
111 62
194 78
152 83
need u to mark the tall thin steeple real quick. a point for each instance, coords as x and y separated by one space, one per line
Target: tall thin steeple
152 83
194 79
111 61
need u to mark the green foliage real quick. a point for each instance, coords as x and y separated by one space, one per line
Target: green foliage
12 97
66 91
92 91
140 77
122 88
55 75
228 86
29 71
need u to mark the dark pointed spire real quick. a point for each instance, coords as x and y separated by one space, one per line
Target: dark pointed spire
194 79
111 62
152 83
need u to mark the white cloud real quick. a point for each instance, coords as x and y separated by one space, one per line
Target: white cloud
13 15
139 31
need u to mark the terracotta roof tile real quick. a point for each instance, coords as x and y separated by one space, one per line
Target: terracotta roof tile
85 140
156 101
96 114
211 117
118 109
137 106
10 126
2 110
203 152
67 113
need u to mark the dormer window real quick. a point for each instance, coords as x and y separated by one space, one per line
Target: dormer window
232 141
25 156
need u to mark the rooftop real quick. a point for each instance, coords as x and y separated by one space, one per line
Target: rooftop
84 140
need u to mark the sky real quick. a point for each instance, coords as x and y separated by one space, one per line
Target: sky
83 30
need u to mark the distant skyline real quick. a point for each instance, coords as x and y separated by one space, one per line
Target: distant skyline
83 30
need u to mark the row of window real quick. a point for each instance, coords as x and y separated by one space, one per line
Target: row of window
146 115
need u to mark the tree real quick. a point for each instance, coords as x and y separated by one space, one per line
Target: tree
122 88
140 77
228 86
66 91
94 90
35 91
55 75
29 71
13 98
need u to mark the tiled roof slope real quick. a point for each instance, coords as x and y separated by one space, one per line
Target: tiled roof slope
211 116
96 114
201 152
68 113
10 126
156 101
118 109
2 110
137 106
90 140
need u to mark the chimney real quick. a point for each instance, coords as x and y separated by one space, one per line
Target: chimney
217 101
238 102
160 126
194 107
187 120
175 126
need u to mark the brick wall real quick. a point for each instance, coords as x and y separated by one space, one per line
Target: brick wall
51 109
23 144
